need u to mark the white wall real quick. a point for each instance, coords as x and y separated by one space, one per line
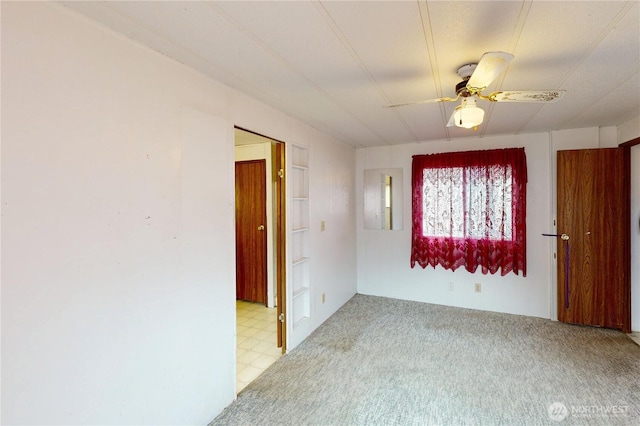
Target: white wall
118 275
383 256
333 255
629 130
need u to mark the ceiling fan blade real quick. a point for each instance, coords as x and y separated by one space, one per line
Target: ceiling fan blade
428 101
490 66
526 96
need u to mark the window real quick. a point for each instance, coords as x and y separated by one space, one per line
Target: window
469 208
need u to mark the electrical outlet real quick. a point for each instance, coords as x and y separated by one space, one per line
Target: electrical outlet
323 298
450 287
478 288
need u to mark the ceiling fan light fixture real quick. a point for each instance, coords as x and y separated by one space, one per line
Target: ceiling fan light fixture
468 115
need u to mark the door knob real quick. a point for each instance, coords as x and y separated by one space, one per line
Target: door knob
563 237
261 228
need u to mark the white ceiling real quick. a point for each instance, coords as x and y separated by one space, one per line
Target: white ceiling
334 65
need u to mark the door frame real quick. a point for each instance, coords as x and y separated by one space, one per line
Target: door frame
634 280
278 228
280 208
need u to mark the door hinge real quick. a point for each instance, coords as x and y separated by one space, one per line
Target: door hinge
281 173
281 317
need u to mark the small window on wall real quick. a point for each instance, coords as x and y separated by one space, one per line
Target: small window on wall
469 209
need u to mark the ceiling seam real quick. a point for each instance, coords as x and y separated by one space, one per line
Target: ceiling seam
596 42
591 105
258 41
333 26
238 83
513 43
427 32
349 48
592 47
165 39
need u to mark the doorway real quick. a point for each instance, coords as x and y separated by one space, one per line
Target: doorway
260 254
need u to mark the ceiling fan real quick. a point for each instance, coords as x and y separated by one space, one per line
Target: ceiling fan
475 79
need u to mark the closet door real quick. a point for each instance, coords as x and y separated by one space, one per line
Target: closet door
251 232
594 286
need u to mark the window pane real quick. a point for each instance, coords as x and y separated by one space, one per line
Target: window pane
471 202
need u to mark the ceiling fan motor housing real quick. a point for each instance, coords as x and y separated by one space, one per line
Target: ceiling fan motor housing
465 73
461 89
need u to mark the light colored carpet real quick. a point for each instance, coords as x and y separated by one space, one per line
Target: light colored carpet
380 361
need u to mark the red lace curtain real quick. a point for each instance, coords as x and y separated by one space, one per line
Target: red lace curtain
469 208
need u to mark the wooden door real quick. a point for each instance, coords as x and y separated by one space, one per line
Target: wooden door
251 232
593 211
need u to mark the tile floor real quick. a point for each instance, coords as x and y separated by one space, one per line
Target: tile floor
256 341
